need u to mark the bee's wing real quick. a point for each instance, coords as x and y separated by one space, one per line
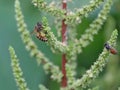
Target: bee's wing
34 31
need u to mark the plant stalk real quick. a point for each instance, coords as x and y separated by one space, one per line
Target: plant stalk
64 41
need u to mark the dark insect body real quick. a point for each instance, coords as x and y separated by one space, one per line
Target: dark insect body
38 32
111 49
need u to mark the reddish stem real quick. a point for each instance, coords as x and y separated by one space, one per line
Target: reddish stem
64 41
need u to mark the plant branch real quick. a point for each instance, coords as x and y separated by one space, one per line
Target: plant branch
42 5
52 40
84 11
17 72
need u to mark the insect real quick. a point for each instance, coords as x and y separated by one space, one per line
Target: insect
39 33
111 49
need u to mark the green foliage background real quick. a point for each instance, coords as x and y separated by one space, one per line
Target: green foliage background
33 73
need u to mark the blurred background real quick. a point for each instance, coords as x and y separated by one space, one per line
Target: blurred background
34 75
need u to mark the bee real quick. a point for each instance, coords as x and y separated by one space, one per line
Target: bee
39 33
111 49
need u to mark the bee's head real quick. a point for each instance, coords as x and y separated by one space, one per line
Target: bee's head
106 45
39 26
